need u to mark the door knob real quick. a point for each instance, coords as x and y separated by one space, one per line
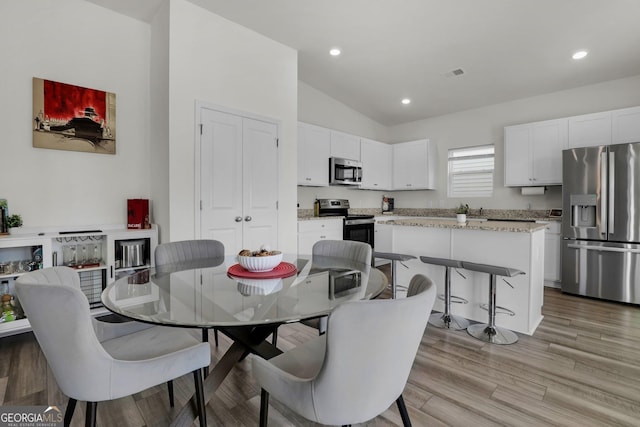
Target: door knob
238 218
247 218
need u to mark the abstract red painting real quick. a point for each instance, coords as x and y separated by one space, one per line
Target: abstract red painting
69 117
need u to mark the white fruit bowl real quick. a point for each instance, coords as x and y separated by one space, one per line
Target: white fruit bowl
259 263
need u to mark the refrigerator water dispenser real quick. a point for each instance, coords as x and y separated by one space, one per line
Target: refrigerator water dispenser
583 210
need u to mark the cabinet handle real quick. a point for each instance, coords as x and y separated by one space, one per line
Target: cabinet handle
247 218
308 179
323 237
238 219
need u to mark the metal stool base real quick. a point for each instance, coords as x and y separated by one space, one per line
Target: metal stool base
492 334
441 320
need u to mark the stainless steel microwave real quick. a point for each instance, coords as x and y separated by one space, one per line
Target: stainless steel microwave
344 171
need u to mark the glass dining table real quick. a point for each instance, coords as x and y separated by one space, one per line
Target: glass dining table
246 307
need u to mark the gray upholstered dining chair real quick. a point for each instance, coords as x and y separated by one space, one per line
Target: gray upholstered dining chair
190 251
347 250
324 378
94 362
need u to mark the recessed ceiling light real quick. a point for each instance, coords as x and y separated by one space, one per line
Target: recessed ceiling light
335 51
580 54
406 101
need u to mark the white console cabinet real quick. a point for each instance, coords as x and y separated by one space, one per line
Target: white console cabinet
95 252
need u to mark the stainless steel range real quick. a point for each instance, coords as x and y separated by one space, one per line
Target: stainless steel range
355 227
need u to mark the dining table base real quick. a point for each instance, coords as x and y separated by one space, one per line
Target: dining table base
246 340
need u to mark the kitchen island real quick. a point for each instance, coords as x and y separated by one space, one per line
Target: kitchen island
510 244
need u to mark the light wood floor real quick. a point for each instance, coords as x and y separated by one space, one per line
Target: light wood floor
580 368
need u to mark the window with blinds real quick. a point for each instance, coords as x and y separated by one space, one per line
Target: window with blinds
471 171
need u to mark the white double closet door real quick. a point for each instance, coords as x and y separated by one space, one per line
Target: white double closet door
238 183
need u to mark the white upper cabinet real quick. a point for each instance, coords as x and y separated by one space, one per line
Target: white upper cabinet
414 165
590 130
625 125
314 150
377 162
345 146
517 155
533 153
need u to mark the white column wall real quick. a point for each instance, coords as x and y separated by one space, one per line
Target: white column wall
159 122
219 62
79 43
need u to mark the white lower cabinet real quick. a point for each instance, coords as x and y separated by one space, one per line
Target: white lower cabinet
313 230
98 255
383 241
383 237
552 253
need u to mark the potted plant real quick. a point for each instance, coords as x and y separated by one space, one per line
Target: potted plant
14 221
461 213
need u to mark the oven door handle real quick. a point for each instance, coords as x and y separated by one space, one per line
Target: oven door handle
358 221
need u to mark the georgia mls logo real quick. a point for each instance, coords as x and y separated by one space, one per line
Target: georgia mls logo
31 416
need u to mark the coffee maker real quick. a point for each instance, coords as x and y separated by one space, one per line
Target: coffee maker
387 205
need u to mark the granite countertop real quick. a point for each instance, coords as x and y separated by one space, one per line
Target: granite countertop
486 214
516 227
310 217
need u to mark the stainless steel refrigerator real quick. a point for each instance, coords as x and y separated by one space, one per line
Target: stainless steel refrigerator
601 222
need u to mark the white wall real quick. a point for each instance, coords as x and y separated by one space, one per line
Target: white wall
159 129
473 127
320 109
76 42
219 62
486 125
317 108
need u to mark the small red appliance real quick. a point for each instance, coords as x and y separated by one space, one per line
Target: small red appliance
138 214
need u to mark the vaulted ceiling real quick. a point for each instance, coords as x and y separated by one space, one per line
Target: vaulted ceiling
391 50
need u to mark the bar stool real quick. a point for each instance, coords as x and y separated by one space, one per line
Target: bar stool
490 332
446 319
393 258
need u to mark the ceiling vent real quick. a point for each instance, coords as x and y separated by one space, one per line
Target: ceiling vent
454 73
